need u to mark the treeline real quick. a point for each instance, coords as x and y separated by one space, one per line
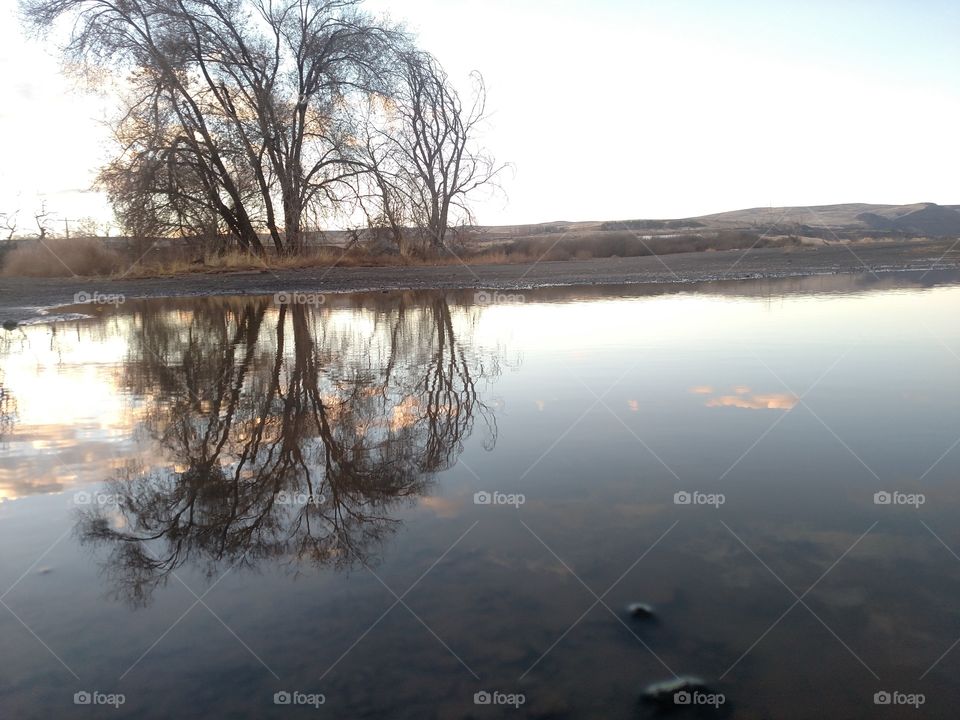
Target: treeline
241 120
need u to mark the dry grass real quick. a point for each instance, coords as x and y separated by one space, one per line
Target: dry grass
237 261
57 257
91 257
624 243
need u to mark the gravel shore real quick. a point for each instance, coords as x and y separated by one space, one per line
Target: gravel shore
24 298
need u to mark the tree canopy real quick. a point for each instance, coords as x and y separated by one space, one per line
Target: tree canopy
241 119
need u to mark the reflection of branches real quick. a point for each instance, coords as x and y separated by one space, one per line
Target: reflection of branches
8 403
8 410
450 393
295 450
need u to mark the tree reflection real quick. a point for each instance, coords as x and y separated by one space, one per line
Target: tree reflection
8 411
290 433
8 404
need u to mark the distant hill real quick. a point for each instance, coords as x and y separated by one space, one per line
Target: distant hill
920 218
931 219
849 220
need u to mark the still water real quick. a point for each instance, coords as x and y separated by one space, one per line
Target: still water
382 505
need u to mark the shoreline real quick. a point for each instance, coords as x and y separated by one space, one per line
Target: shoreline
23 299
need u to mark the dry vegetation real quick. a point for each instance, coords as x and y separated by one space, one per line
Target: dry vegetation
91 257
624 243
61 257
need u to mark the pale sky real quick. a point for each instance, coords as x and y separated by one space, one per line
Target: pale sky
610 109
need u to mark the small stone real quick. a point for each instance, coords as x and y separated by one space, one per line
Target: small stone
640 610
10 325
663 692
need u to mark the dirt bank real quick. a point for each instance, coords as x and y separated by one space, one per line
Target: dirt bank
21 298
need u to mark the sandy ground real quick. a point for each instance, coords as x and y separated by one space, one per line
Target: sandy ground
22 298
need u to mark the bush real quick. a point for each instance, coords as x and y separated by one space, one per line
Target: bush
61 257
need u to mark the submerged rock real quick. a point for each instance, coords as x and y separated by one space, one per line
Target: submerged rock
663 692
640 610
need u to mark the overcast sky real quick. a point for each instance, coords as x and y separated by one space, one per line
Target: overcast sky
611 109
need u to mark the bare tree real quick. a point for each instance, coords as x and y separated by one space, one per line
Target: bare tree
8 223
235 114
379 191
424 161
42 218
89 227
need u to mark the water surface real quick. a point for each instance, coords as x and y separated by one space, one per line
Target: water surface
209 501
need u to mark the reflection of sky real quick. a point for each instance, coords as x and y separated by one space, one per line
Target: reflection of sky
689 320
74 426
744 398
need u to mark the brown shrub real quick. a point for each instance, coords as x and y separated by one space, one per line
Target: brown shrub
61 257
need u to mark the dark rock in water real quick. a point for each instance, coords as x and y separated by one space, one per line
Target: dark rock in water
10 325
662 693
640 610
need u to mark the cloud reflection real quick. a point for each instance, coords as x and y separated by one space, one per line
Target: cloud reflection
743 397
